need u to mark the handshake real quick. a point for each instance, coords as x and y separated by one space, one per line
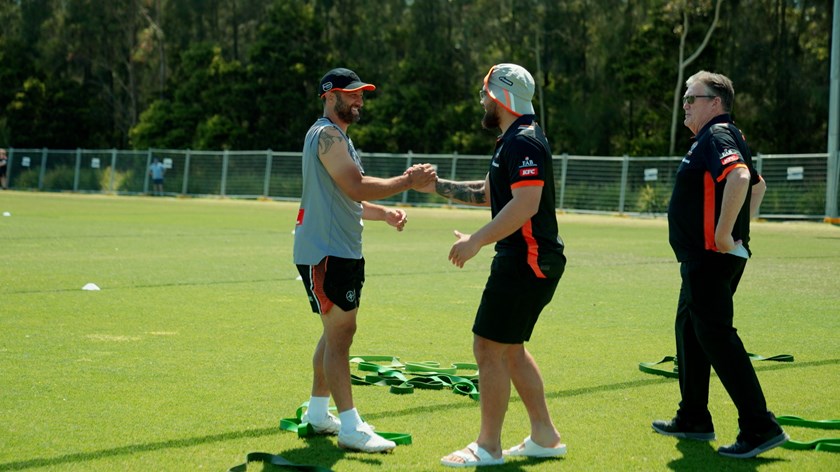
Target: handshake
422 177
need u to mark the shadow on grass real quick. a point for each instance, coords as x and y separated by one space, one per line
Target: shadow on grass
321 451
135 448
700 455
331 454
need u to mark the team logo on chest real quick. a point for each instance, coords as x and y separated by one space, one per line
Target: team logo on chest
495 161
687 158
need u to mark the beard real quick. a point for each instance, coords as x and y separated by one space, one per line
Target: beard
491 120
345 112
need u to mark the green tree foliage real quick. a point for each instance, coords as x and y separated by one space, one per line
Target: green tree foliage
644 81
243 74
780 71
286 64
208 110
427 91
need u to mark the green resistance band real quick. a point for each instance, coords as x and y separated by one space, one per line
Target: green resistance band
822 444
296 425
388 371
650 367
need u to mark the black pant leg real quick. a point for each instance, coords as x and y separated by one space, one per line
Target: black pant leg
693 367
712 282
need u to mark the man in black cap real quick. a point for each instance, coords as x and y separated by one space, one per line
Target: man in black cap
328 250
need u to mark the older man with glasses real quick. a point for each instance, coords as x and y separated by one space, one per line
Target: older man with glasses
716 192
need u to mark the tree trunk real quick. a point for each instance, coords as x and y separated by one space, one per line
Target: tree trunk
685 63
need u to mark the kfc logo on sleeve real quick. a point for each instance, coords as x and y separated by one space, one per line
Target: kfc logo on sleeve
728 158
527 168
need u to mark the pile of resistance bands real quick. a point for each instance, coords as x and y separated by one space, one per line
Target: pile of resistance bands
388 371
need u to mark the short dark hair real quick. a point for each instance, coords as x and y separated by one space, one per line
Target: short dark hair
718 85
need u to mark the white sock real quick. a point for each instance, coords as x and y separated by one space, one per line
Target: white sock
349 420
318 408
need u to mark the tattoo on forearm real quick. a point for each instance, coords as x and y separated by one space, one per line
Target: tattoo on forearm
326 140
470 192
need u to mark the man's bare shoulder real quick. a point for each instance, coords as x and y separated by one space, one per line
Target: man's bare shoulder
328 138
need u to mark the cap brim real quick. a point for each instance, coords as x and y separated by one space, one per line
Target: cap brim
353 87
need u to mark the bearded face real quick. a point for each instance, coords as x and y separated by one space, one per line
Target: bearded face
346 111
491 119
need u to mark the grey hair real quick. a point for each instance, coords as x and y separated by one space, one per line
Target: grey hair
718 85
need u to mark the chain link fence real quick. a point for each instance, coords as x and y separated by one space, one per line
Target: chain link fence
796 183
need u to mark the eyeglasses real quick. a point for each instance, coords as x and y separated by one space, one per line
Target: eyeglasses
690 98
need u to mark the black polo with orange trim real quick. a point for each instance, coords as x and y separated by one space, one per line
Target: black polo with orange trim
523 157
698 190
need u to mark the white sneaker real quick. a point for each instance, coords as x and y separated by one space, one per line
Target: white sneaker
365 440
329 425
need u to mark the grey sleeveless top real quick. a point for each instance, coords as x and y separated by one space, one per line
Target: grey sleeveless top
329 223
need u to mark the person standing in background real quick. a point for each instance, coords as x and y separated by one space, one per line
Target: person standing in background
156 171
716 192
4 161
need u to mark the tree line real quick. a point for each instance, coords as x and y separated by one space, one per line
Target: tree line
244 74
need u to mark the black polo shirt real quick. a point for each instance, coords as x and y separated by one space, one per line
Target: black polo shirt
695 204
523 158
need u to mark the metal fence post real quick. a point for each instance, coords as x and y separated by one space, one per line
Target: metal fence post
9 166
113 169
564 168
625 166
269 158
78 169
186 172
43 169
408 160
758 163
454 170
832 171
225 160
146 171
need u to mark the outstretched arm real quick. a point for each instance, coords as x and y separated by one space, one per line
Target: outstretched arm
472 192
332 150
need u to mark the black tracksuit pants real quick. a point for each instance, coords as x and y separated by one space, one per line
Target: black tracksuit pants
706 338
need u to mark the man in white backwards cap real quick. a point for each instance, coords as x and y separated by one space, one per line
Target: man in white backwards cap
529 261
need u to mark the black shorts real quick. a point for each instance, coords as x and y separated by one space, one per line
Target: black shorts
334 281
512 301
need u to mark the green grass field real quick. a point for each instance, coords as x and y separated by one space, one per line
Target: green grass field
200 338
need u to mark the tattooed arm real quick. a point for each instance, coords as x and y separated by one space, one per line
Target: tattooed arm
473 192
332 150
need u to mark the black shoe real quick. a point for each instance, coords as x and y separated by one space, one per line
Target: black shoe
745 448
682 429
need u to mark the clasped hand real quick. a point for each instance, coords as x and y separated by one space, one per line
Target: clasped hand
421 175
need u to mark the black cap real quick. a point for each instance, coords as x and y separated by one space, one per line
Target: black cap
343 80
